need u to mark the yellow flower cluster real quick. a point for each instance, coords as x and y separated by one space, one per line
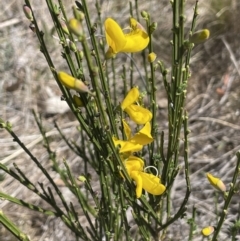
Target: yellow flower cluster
136 39
133 143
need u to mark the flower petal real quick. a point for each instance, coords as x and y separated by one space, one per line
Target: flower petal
134 163
134 24
114 35
139 182
136 41
131 97
130 147
127 130
139 114
143 137
152 184
127 146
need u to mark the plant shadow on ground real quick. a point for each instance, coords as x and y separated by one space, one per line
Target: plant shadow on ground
213 104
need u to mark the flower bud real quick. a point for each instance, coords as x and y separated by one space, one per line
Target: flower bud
216 182
64 27
28 12
145 14
207 231
82 178
72 83
81 54
72 46
79 15
200 36
94 28
77 100
56 9
151 57
75 27
153 27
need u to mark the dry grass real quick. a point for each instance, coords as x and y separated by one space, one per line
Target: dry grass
213 105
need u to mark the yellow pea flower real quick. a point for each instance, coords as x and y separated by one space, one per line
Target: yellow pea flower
134 41
136 142
134 163
72 83
137 113
207 231
149 182
216 182
152 184
131 97
143 137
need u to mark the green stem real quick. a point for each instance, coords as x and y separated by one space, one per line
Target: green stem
233 190
8 224
192 224
101 74
28 205
182 209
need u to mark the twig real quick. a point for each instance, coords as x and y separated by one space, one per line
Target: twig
232 57
6 160
221 122
9 22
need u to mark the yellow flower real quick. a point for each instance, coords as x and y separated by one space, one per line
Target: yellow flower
200 36
146 181
137 113
136 142
133 163
216 182
207 231
72 83
134 41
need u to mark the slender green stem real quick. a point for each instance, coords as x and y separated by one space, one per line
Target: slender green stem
233 190
192 224
28 205
182 208
101 73
8 224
